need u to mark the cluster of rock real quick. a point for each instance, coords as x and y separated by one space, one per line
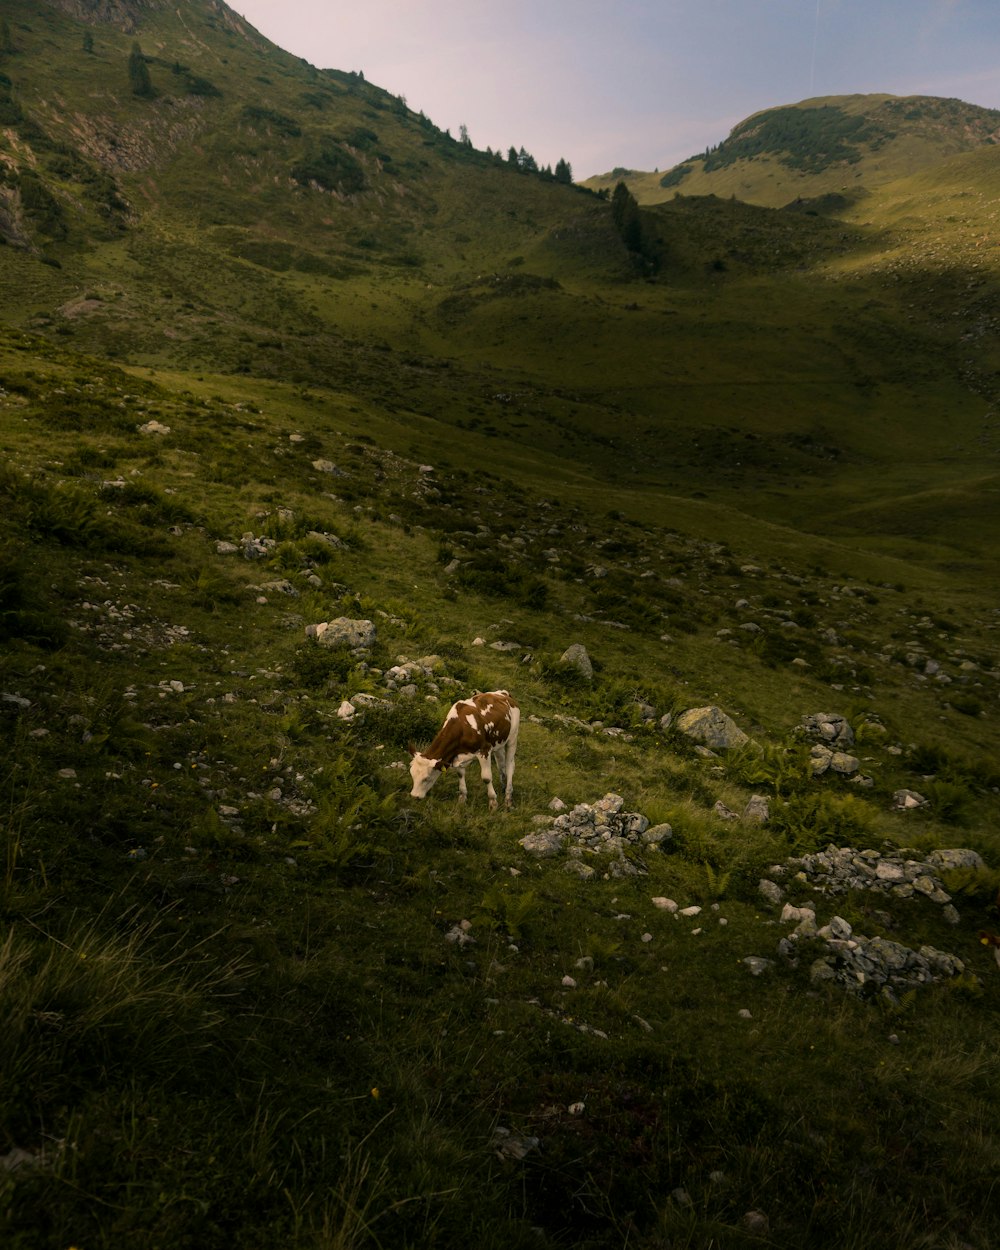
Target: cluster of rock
599 829
838 869
860 963
252 546
850 959
830 754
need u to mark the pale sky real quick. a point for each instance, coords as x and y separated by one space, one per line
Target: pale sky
636 83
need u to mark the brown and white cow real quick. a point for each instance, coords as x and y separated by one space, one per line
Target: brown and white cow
474 729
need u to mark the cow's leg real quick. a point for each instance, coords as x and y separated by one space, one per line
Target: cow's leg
486 768
463 790
509 752
501 753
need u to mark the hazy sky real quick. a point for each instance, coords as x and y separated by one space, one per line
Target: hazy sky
638 83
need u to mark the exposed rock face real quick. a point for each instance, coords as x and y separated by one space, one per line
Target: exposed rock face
123 14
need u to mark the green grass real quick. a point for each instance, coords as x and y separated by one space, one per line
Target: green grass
238 1009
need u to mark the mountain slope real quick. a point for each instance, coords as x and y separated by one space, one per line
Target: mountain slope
257 216
276 354
840 146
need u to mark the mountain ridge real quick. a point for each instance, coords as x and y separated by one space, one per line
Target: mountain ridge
821 145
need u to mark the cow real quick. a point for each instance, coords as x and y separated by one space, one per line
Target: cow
477 728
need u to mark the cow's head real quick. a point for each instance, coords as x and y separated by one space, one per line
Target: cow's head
424 773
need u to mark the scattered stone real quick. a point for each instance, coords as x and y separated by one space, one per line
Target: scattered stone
460 934
665 904
757 810
907 800
513 1146
758 964
577 868
770 890
756 1223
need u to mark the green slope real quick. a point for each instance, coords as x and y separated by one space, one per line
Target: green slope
752 465
836 147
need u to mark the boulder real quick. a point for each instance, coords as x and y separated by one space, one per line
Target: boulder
955 857
344 632
575 656
711 727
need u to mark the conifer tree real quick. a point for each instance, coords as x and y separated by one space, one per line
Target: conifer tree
625 214
138 73
564 171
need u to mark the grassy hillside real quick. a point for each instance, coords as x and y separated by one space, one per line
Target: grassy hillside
835 146
256 995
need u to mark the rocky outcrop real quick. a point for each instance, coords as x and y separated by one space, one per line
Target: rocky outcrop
599 829
859 963
123 14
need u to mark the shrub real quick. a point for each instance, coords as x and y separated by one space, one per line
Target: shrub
331 167
814 818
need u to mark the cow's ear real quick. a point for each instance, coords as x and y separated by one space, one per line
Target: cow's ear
411 748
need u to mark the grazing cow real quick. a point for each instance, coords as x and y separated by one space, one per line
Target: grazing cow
476 728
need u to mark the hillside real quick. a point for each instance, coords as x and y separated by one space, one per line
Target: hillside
836 146
313 420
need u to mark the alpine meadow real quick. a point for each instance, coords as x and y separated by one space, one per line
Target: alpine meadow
315 420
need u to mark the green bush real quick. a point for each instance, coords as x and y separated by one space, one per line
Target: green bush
812 819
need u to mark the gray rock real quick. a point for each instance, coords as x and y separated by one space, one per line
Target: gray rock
771 891
545 845
577 868
711 727
758 964
655 835
947 859
576 656
832 728
757 811
344 632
